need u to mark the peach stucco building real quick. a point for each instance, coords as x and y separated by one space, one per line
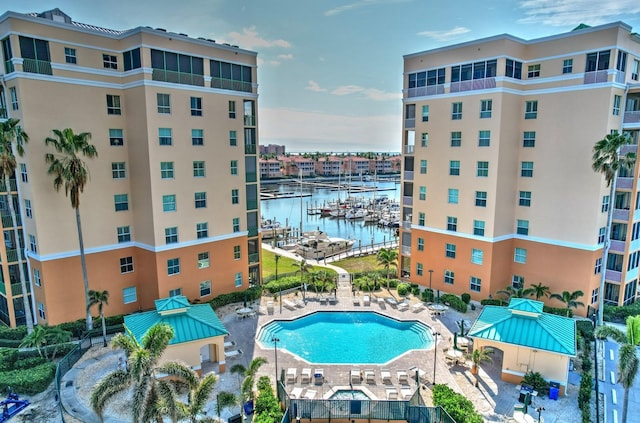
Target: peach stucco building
497 185
172 204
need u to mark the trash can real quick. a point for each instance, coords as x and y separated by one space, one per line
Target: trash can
237 418
554 390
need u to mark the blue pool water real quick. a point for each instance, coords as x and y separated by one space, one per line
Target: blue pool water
346 337
345 394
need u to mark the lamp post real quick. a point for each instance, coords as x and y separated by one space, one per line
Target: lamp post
594 317
430 275
540 410
275 351
435 353
277 258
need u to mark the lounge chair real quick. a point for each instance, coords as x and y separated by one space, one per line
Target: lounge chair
381 302
288 304
365 300
305 376
292 374
406 392
296 393
310 394
270 307
422 375
403 378
323 300
355 376
232 353
392 301
356 300
386 376
333 300
299 303
418 307
229 344
318 376
370 376
392 394
403 306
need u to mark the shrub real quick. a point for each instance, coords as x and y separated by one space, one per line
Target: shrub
267 408
8 357
457 405
586 364
29 362
427 295
585 329
282 284
466 297
16 334
454 302
30 381
536 380
557 311
236 297
584 393
620 313
403 289
10 343
492 301
393 283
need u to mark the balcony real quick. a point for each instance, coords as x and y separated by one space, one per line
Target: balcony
406 250
3 112
36 66
12 255
6 221
177 77
617 246
629 148
613 276
410 123
16 288
407 200
474 84
251 176
8 66
621 214
409 149
406 225
596 77
249 121
12 184
249 149
632 117
228 84
252 204
624 183
252 231
425 91
408 175
254 258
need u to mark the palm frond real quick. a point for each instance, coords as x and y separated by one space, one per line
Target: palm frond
603 332
109 386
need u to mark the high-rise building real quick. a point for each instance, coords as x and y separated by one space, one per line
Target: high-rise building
171 206
498 188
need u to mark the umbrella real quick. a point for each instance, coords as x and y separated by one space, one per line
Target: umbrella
455 340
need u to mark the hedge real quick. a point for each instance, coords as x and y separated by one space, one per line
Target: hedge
457 405
13 334
585 329
557 311
427 295
367 283
619 314
29 381
250 294
492 301
454 302
282 284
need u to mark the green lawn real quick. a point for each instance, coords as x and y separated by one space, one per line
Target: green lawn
359 264
285 264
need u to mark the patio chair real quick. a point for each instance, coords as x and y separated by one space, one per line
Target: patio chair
418 307
311 394
305 375
318 376
392 394
406 392
356 301
386 376
333 300
355 376
296 393
288 304
403 378
365 300
403 306
370 376
292 374
299 303
422 375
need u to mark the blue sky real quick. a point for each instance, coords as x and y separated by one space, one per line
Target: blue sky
330 71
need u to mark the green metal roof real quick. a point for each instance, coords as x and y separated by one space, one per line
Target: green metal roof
189 322
524 323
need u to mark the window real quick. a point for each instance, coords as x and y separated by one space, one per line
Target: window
126 265
419 269
175 292
113 105
513 69
232 109
482 169
517 281
525 199
421 217
605 204
173 266
621 63
486 107
166 170
456 139
171 235
614 262
526 170
423 167
481 199
567 66
203 260
205 288
450 251
238 279
164 136
476 256
129 295
531 109
164 103
33 244
635 231
422 194
200 200
520 255
424 139
452 223
118 170
169 203
616 105
236 252
109 61
533 71
478 227
475 284
197 137
124 233
420 244
529 139
598 266
235 198
522 227
484 138
198 169
456 111
234 167
121 202
27 209
41 311
425 113
70 55
449 277
453 196
454 167
24 176
196 106
598 61
36 277
233 138
14 98
116 137
131 59
236 224
202 230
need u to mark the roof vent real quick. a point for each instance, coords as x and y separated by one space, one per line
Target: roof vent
210 40
235 46
183 34
161 29
202 38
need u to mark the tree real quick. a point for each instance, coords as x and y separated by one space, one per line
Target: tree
607 161
152 398
239 370
512 292
56 336
36 339
570 299
101 298
13 137
303 268
42 336
627 359
250 377
479 356
71 172
226 400
387 257
197 399
539 290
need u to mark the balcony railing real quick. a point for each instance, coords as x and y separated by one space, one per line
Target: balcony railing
249 121
8 66
409 149
228 84
621 214
617 245
6 221
406 226
36 66
12 255
629 148
613 275
177 77
407 200
596 77
253 231
406 251
625 183
408 175
425 91
474 84
632 116
251 176
252 204
3 112
254 258
249 149
410 123
12 184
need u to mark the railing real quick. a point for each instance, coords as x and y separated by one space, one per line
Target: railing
252 204
474 84
252 231
410 123
617 245
620 77
409 149
408 175
632 116
249 121
629 148
12 185
7 222
16 288
251 176
407 201
3 113
406 226
613 275
8 66
228 84
249 149
406 251
12 255
36 66
425 91
177 77
596 77
254 258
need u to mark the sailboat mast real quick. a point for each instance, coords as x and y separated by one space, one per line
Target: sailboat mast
300 174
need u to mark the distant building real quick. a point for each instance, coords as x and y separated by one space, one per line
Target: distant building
278 150
270 168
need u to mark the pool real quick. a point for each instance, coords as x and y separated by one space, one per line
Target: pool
346 337
347 394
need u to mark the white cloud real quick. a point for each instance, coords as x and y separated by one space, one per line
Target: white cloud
309 131
445 35
249 39
347 89
370 93
359 4
285 56
313 86
574 12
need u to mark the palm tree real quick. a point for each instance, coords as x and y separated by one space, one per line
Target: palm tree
539 290
36 339
479 356
387 257
627 359
225 400
608 161
71 172
570 299
512 292
153 398
56 336
250 377
197 399
101 298
302 267
12 135
239 370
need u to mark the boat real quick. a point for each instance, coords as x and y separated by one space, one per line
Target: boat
317 245
356 213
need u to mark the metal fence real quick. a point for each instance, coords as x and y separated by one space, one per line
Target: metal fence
66 364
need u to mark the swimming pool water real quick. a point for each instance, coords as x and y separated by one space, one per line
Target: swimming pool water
346 337
346 394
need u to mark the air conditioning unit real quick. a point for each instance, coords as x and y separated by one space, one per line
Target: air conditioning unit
634 76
